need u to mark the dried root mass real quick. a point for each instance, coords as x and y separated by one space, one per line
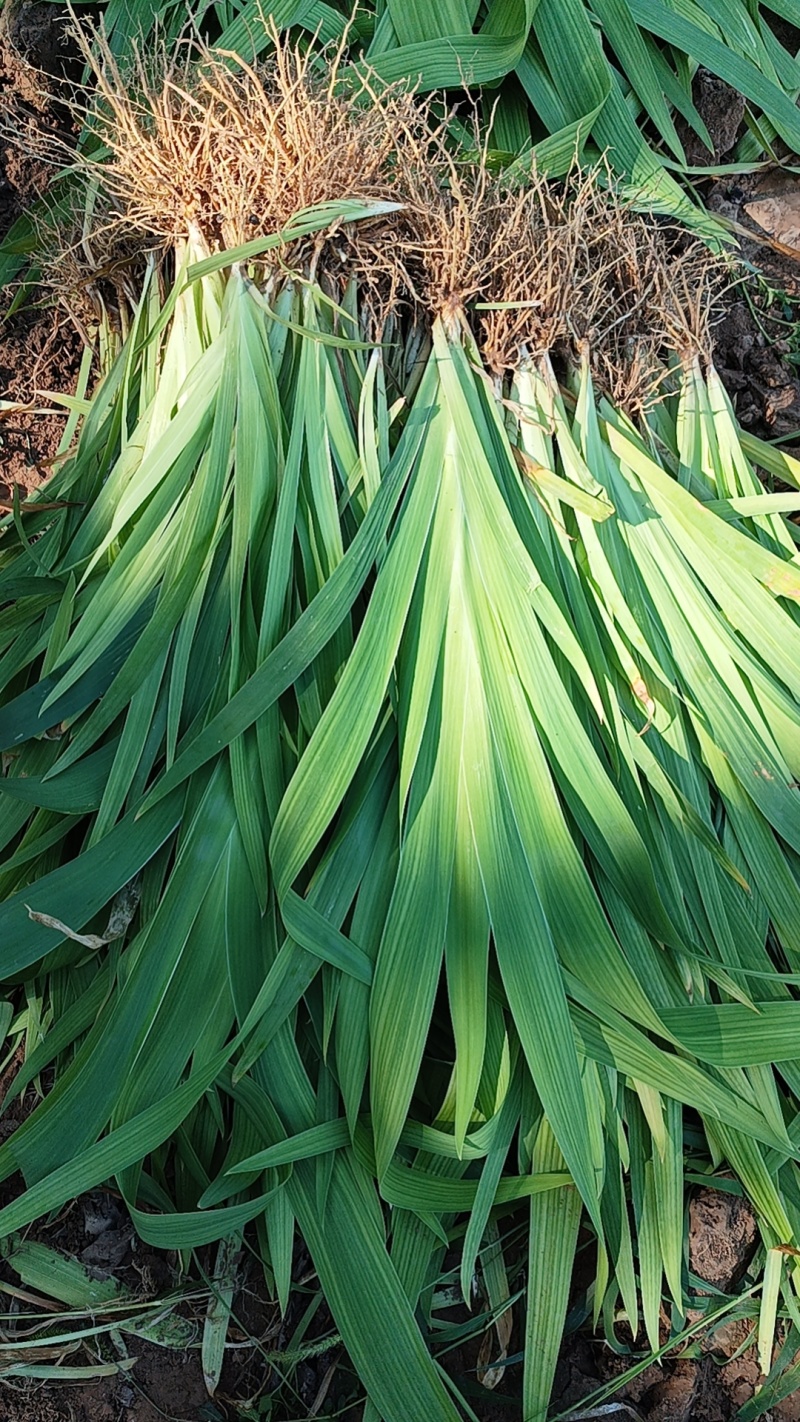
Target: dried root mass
231 150
208 144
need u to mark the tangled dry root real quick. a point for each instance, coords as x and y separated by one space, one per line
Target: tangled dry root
448 233
203 142
560 268
647 292
566 268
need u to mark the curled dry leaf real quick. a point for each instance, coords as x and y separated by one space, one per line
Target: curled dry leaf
779 216
494 1351
89 940
122 911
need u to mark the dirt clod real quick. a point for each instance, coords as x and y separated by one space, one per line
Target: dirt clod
40 350
723 1234
722 111
35 60
755 343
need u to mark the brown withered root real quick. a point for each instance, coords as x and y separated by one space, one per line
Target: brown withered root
569 268
202 142
205 141
583 272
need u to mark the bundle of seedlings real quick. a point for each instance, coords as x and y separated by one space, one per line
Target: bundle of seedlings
400 733
584 631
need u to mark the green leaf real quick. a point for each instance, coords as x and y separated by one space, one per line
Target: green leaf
122 1147
78 890
56 1276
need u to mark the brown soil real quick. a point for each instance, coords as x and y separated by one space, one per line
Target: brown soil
35 58
723 1236
756 342
722 111
162 1382
40 348
706 1388
716 1374
707 1382
162 1385
154 1382
39 352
